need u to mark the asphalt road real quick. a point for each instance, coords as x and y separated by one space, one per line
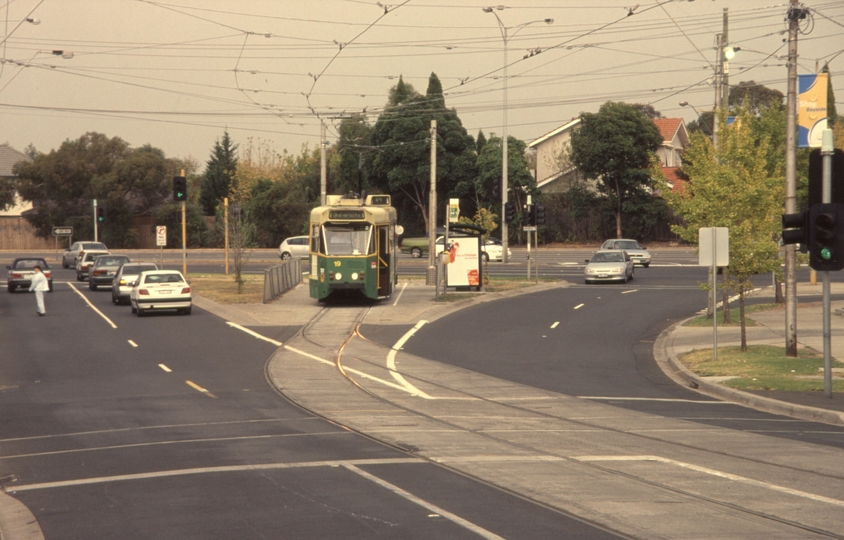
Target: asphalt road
162 427
596 342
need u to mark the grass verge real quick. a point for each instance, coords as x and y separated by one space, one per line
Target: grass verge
763 367
223 289
735 319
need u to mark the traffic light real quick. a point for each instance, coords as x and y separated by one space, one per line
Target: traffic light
795 230
826 237
101 214
540 214
180 188
509 212
530 215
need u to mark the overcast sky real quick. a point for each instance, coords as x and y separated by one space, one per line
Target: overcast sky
177 73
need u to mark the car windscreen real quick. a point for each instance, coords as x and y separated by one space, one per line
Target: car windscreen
607 257
628 245
351 239
111 261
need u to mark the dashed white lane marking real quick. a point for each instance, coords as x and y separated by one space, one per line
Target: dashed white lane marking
579 306
200 389
165 368
720 474
555 324
630 291
468 525
132 343
100 313
254 334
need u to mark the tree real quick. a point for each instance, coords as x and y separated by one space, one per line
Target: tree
219 172
614 147
401 166
352 145
63 183
520 182
754 97
733 186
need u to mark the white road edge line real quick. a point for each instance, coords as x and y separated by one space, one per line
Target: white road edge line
132 343
92 306
254 334
555 324
165 368
713 472
403 287
205 470
480 531
579 306
391 362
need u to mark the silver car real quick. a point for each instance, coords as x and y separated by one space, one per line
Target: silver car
609 265
85 261
71 255
295 246
124 279
637 252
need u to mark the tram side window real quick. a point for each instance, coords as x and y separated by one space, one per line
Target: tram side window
315 238
347 239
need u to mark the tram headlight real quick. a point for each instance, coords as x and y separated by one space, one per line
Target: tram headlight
338 276
354 276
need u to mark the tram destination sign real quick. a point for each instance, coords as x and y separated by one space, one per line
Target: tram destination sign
346 215
62 231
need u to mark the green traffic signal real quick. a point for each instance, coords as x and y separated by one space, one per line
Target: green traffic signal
826 254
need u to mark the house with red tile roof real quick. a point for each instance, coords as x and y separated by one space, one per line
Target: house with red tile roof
554 174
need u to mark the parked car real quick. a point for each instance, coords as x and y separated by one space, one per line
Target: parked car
70 256
637 252
124 279
490 251
609 265
86 260
103 270
295 246
20 272
160 289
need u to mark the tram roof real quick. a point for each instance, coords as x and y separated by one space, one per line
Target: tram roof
346 208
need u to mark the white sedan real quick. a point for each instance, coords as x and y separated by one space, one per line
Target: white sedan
160 289
609 265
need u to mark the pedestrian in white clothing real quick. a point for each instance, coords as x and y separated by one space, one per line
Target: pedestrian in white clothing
39 285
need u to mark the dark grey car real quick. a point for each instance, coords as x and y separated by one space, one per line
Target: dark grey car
103 270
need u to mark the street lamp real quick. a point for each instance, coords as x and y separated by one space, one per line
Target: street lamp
504 166
699 117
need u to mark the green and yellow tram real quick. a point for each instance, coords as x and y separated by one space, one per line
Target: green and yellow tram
353 247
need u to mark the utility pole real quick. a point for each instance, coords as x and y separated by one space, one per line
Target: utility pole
725 66
795 14
431 278
719 68
323 175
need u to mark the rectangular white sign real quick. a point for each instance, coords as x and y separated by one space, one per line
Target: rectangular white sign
160 235
714 242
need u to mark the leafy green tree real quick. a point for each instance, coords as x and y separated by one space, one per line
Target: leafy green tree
352 145
520 182
219 173
615 147
754 97
401 166
732 186
278 210
126 181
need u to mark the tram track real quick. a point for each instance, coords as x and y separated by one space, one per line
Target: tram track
336 332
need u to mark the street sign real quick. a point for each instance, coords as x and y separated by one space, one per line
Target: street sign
714 244
527 228
62 231
453 210
161 235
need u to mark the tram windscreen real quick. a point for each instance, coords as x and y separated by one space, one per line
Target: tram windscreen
351 239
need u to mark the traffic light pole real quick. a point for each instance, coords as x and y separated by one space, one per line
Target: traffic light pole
827 150
95 220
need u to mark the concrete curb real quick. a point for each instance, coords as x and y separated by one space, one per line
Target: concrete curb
668 361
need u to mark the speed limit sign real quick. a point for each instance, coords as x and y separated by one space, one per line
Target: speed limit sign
161 235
